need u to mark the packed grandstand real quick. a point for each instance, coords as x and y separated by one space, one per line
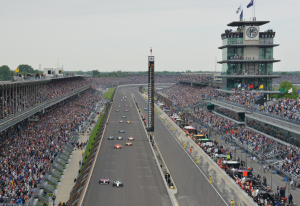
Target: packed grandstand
29 148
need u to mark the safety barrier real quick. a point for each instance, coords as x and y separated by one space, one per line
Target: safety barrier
78 191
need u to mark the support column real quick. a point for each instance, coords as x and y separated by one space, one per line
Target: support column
2 90
17 99
10 100
13 99
6 102
25 99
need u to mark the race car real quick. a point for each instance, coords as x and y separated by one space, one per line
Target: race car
130 106
118 183
126 105
126 110
128 122
121 131
121 121
119 106
121 100
110 138
123 116
117 110
125 100
130 138
118 146
120 138
104 181
145 109
128 144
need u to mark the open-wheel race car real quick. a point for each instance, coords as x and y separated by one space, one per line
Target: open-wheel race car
118 146
118 183
104 180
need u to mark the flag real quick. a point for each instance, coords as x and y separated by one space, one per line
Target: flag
241 16
151 51
243 85
250 86
239 85
17 70
239 9
290 90
236 85
250 4
282 90
298 92
261 86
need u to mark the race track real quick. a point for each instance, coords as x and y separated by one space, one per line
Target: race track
193 188
135 165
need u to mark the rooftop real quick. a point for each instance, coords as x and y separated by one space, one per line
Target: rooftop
247 23
247 45
248 61
275 122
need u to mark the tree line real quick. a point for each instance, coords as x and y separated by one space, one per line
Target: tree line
6 73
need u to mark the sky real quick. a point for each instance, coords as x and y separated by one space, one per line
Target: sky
117 34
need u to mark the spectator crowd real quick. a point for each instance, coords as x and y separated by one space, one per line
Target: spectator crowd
28 148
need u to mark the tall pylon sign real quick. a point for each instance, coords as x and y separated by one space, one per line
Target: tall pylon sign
150 94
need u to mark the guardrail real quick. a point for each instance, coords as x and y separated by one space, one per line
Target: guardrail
78 192
30 111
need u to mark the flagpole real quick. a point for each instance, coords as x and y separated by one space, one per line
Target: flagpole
254 2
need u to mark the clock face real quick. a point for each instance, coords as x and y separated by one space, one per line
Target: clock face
252 32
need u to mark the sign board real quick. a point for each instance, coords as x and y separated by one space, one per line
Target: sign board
251 33
150 94
244 173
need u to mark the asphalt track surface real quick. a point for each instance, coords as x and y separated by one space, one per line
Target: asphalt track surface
134 165
193 188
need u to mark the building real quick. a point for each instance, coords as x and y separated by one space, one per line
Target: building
247 58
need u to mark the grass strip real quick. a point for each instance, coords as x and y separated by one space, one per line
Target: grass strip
109 93
95 131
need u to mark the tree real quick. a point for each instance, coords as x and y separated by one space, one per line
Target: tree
79 72
287 86
96 73
5 73
25 68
